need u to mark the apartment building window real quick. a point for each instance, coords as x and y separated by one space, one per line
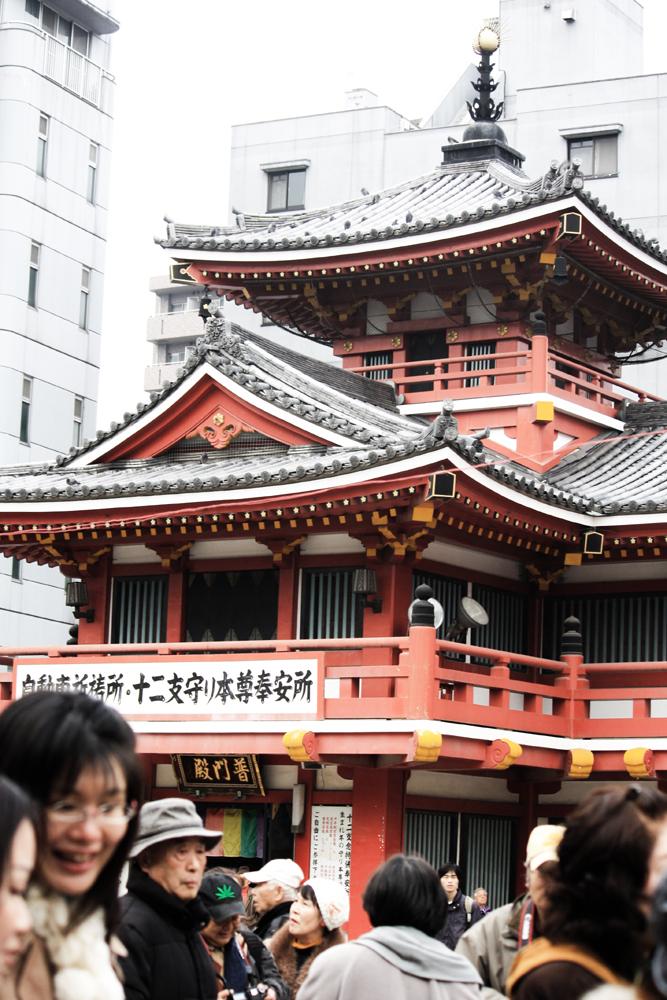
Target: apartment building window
177 353
83 298
33 274
77 427
598 154
16 570
42 140
287 190
26 402
93 152
65 31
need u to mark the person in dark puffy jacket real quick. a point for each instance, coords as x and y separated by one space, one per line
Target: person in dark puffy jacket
462 910
272 892
162 916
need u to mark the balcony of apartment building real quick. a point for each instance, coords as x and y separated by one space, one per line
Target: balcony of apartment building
59 46
172 329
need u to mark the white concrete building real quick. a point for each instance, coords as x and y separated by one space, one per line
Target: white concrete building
55 142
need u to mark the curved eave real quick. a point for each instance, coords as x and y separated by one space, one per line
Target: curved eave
418 467
349 254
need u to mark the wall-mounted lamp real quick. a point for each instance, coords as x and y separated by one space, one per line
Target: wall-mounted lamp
593 543
470 615
560 276
76 595
298 807
441 486
364 585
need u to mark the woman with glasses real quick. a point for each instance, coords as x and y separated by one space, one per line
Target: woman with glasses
75 756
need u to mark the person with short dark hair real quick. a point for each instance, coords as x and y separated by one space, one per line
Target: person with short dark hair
162 914
75 757
462 910
400 958
594 927
316 916
240 958
18 846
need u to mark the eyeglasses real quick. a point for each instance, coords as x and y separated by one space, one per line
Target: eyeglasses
108 814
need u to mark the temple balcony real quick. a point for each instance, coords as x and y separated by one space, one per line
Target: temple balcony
517 365
373 684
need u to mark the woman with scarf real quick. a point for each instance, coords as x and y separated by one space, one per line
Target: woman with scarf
75 757
320 909
400 957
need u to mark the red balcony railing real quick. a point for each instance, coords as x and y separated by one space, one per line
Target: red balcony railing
531 368
407 677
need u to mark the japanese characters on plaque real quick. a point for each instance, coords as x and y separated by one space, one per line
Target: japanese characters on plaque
219 772
331 843
183 686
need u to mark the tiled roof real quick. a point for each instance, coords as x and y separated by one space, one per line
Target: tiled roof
622 473
160 477
323 394
451 196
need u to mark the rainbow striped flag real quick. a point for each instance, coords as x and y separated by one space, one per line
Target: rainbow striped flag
242 832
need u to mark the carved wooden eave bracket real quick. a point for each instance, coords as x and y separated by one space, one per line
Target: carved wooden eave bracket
71 562
170 555
282 548
301 746
424 748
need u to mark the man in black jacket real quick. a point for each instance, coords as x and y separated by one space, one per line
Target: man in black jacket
161 914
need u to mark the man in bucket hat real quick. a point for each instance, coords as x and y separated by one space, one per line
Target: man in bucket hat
162 915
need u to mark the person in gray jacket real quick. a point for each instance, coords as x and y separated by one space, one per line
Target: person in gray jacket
400 957
491 945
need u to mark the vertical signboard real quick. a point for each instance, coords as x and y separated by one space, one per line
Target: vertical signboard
331 843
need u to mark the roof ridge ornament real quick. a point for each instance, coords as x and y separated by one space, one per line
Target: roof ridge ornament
484 108
219 336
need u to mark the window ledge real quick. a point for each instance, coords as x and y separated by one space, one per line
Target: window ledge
591 131
285 211
599 177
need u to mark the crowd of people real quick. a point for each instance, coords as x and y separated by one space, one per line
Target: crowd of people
592 923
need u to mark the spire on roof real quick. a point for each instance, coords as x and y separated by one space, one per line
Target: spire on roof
484 139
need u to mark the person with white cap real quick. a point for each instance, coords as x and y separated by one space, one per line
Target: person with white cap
161 914
491 945
320 909
273 890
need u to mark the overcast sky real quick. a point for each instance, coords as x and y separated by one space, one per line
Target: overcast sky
187 70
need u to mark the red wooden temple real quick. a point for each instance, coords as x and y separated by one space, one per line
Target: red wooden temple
251 539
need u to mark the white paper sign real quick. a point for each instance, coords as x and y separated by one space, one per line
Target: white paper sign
331 843
184 686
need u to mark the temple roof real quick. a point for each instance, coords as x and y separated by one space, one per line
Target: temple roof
450 197
617 473
358 436
325 395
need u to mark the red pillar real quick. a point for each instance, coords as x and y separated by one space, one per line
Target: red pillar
528 801
378 811
175 631
302 840
288 575
98 582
